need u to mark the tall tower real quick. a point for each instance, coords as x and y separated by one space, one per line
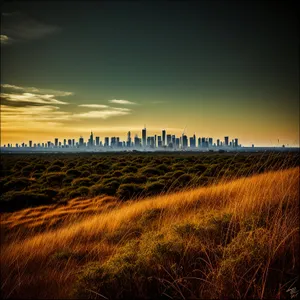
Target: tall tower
144 137
91 141
163 137
226 139
128 139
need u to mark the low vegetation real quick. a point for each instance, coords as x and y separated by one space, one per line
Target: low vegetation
235 239
124 176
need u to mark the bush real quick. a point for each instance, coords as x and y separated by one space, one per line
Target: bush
81 182
16 184
102 168
130 169
154 188
134 179
163 168
27 170
85 173
54 168
150 172
12 200
73 173
82 191
129 191
117 174
59 163
54 179
39 167
94 177
182 181
108 189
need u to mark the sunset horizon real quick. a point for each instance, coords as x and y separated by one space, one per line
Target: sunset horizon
111 68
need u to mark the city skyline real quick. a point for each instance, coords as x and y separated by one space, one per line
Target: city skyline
144 141
219 68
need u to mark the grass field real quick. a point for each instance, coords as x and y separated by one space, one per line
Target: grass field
29 180
236 238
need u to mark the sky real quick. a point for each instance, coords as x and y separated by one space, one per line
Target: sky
213 68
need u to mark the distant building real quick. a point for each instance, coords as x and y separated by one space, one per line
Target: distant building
106 142
144 137
113 141
129 139
173 140
56 142
81 142
91 140
199 142
218 143
184 141
137 142
163 133
159 142
236 142
30 144
169 139
226 140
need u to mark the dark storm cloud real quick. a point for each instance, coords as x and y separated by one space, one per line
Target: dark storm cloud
19 26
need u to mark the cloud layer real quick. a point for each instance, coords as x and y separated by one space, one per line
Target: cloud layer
36 90
31 107
123 102
31 98
18 26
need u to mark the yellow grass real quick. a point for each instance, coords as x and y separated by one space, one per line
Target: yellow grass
262 209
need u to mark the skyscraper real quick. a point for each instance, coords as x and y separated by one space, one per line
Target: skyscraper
226 139
184 141
169 139
159 144
173 140
91 140
113 141
163 137
106 141
30 144
236 142
210 142
218 143
97 140
56 142
81 141
136 141
199 142
144 137
129 139
193 141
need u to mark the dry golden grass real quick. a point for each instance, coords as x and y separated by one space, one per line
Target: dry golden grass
235 239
